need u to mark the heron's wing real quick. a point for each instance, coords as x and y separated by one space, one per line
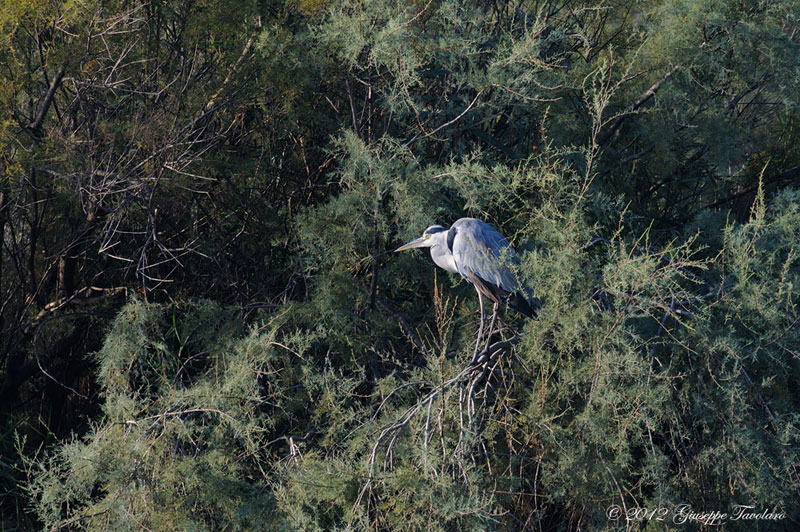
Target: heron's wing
479 250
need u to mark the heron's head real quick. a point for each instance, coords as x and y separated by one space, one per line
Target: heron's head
429 238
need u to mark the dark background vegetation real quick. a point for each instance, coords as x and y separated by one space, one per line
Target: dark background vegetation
198 331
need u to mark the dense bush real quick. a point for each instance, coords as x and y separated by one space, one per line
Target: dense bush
203 328
643 384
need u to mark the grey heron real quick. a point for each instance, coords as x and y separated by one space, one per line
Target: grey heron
482 256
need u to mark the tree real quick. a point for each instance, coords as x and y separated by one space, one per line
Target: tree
266 155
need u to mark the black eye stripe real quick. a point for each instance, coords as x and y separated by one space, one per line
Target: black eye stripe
433 229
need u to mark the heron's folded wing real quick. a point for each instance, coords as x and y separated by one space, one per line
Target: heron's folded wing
480 250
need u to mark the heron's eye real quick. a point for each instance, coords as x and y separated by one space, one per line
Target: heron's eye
426 235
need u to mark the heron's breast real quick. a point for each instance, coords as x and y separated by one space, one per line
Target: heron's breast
443 259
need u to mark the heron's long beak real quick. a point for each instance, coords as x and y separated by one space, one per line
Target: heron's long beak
411 245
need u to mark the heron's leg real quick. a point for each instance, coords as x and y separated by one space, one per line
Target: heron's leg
480 329
491 325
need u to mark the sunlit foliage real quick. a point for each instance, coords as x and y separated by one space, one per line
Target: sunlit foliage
203 327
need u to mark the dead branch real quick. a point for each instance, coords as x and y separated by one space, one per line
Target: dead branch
471 376
84 296
632 108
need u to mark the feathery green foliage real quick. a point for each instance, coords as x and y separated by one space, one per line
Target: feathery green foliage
203 327
637 380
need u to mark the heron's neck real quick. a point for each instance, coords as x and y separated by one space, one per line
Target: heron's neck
441 254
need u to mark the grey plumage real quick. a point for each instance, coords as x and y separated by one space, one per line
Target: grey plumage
481 255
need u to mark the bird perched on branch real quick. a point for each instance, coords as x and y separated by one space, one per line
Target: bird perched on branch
482 256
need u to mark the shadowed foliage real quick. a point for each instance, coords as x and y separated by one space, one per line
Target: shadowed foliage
202 328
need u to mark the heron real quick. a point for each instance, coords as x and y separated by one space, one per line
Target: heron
481 255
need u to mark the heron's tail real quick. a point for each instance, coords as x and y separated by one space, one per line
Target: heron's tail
523 306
